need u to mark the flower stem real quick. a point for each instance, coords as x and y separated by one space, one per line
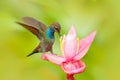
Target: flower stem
70 77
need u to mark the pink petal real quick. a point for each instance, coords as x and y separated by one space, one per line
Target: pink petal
70 44
84 45
53 58
73 67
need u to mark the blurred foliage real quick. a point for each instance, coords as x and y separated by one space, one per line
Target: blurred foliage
102 59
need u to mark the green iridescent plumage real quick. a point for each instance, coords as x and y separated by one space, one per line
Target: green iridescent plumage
44 34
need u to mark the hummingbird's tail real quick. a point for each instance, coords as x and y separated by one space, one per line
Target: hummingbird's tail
31 54
36 50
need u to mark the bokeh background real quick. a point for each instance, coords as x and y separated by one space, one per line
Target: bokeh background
102 60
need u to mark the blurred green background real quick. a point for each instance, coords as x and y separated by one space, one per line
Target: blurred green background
102 60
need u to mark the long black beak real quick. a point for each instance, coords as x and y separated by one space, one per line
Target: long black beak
59 34
58 31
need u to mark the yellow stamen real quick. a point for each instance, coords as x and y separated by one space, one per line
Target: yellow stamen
78 45
62 41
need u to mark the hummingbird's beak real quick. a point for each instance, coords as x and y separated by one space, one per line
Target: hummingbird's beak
59 34
58 31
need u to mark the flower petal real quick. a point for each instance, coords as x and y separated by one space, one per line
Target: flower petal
73 67
53 58
84 45
70 44
62 41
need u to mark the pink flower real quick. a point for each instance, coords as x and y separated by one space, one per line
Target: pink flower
73 50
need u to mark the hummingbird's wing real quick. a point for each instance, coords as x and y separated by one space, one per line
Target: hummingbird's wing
31 29
33 25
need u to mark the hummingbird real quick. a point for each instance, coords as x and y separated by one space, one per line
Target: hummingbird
44 33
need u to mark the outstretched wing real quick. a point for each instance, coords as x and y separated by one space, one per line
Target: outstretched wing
33 25
31 29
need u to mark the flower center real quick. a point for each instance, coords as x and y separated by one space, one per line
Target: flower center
72 66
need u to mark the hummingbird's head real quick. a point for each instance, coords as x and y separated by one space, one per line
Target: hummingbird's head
56 26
